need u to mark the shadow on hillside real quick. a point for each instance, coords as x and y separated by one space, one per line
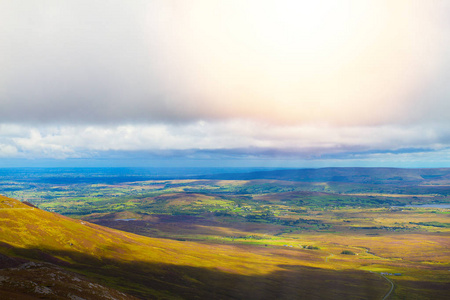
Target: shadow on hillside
164 281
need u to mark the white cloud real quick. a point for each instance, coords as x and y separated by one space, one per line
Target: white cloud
80 78
8 151
243 137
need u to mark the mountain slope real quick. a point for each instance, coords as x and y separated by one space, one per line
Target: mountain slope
31 280
153 268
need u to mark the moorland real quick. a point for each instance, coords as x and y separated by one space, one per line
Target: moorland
333 233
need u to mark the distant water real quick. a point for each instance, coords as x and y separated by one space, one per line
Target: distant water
426 206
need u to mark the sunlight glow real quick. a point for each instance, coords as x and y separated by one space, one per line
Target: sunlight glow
338 62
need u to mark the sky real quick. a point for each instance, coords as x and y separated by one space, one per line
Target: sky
225 83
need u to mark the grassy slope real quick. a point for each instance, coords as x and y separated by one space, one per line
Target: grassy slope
420 253
161 268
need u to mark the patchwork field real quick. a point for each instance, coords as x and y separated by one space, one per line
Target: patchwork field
163 268
233 239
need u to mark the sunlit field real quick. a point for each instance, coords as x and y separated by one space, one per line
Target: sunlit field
246 239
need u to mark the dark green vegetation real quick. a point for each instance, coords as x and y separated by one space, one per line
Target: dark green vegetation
248 235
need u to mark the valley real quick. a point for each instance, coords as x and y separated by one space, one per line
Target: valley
253 238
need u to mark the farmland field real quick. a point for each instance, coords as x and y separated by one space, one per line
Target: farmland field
351 234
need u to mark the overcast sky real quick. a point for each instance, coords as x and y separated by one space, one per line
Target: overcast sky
239 83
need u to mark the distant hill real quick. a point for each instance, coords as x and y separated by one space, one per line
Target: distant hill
351 175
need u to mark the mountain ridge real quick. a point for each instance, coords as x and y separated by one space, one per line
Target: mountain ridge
343 174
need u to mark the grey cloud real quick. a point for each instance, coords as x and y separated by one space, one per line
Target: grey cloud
97 62
77 61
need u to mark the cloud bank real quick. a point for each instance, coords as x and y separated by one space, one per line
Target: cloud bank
230 140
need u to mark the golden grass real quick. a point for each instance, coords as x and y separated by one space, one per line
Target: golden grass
422 257
44 230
